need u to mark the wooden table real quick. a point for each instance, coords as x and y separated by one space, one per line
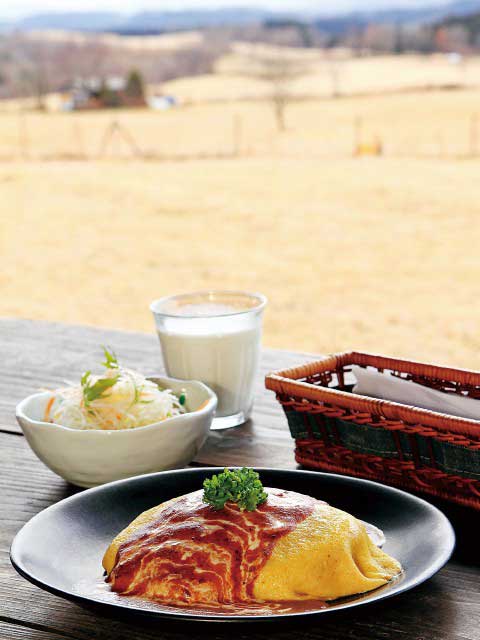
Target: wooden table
35 354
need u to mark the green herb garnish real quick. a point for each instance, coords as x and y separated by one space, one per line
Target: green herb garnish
241 486
111 361
182 398
96 390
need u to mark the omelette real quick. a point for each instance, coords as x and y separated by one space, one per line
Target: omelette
291 547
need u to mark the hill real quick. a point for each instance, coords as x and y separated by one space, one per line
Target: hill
471 24
72 21
160 21
340 24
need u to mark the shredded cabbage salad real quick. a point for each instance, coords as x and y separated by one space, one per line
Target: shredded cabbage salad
120 399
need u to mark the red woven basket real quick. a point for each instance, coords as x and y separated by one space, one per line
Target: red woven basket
337 430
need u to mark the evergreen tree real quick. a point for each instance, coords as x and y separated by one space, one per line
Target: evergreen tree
135 85
108 97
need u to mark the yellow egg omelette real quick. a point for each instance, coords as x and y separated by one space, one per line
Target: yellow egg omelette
291 547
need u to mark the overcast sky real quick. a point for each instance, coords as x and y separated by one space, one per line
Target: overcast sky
25 7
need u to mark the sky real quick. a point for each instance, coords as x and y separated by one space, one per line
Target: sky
19 8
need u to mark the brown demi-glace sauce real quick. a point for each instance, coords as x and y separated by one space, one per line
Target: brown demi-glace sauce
196 557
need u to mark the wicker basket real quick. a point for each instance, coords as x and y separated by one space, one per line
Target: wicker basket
337 430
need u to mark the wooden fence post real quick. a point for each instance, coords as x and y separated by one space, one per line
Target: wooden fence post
237 134
116 128
78 140
473 137
23 140
357 134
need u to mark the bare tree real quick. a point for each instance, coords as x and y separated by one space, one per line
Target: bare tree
31 70
32 65
279 69
40 81
334 66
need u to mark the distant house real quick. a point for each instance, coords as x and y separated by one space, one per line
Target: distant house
161 103
105 93
84 94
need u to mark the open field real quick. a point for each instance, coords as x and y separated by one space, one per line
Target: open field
322 74
378 254
373 253
432 123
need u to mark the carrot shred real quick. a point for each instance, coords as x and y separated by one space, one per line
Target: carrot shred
204 404
46 416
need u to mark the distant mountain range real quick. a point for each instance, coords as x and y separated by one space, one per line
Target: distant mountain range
72 21
336 25
144 21
161 21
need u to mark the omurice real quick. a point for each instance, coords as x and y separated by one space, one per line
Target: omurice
238 543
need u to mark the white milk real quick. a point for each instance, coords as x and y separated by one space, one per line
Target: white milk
220 350
214 336
226 362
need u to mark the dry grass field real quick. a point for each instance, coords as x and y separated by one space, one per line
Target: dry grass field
380 254
414 124
320 73
367 253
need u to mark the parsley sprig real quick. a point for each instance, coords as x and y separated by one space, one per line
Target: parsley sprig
242 486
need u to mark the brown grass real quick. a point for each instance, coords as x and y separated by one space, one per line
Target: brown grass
369 253
376 254
435 123
354 76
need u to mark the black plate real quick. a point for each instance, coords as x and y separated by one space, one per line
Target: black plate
61 548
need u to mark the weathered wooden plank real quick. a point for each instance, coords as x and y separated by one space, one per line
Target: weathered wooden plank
448 607
36 355
14 631
39 355
428 614
33 354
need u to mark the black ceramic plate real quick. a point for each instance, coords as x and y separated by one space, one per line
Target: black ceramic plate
61 548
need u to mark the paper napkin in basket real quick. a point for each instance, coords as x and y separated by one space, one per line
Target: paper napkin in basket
388 387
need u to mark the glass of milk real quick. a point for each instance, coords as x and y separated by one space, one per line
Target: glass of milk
214 336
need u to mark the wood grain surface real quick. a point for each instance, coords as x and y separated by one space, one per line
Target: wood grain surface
36 355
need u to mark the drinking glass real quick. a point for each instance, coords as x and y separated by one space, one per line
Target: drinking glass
214 336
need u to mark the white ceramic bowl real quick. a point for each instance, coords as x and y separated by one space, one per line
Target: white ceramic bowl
89 457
